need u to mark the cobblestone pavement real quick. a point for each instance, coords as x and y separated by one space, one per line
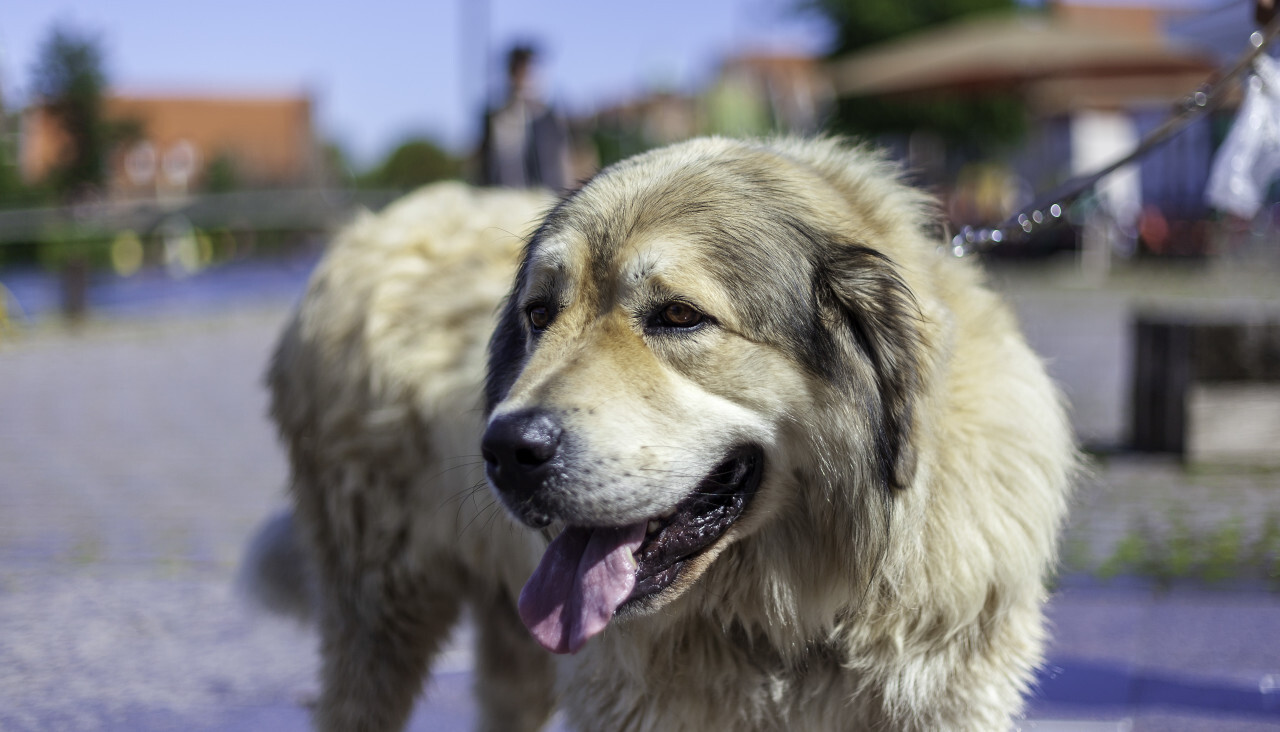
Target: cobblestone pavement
136 459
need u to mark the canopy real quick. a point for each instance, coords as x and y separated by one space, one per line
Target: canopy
996 51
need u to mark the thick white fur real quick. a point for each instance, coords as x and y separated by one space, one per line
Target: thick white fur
376 390
809 615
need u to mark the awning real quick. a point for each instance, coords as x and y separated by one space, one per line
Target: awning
991 52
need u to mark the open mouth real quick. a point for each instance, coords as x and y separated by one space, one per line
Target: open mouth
588 574
696 523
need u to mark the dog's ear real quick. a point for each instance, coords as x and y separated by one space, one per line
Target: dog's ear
507 347
877 311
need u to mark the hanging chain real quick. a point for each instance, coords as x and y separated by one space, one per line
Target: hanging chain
1208 97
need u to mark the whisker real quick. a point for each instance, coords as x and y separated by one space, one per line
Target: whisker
466 527
471 463
462 493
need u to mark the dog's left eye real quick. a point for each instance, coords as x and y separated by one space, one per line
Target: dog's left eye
679 315
539 317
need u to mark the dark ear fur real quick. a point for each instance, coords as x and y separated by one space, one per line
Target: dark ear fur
882 317
507 347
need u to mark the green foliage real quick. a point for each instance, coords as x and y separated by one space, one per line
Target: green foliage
414 163
12 193
10 180
220 175
979 124
66 244
615 142
1129 555
1223 551
1181 550
1266 551
70 82
862 23
337 166
1211 554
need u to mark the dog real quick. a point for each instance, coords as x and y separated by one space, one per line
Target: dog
768 457
376 388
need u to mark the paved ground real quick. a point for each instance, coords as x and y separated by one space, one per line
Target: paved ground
135 459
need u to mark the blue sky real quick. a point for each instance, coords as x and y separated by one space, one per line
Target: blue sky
383 69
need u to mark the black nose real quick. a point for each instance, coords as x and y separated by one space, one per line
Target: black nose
519 451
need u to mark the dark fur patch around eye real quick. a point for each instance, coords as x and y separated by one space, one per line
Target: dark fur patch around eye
507 345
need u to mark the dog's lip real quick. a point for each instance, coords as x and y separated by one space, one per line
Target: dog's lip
696 523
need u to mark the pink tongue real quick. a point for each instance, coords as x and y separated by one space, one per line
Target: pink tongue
584 576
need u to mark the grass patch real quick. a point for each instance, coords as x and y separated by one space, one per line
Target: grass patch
1177 552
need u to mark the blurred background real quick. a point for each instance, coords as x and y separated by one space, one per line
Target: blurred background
170 173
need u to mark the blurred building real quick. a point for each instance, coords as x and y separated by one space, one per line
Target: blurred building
187 142
762 93
752 94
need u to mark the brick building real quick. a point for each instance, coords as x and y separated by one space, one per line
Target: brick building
258 141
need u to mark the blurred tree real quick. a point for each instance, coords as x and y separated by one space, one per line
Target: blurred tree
336 165
862 23
980 124
414 163
69 81
9 181
12 192
221 175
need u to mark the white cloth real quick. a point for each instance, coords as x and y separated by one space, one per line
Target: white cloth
1249 158
1098 139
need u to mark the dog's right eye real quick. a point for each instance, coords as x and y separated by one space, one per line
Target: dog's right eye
679 315
539 317
676 316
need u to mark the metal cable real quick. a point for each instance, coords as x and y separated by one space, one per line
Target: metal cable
1049 209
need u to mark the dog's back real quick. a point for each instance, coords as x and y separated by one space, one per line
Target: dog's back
375 389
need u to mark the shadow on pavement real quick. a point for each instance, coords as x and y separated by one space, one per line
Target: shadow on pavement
1104 687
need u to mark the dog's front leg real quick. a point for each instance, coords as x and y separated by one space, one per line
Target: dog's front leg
378 642
515 677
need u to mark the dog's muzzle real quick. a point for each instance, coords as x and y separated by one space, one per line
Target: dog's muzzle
521 453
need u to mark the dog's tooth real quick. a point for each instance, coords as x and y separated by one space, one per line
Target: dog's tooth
653 525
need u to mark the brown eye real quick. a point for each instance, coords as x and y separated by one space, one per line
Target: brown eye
680 315
539 317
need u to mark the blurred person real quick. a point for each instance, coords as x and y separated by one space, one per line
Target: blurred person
525 140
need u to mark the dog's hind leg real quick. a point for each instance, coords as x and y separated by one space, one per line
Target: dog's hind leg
378 644
515 677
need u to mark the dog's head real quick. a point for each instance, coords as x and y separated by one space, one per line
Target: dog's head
696 338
